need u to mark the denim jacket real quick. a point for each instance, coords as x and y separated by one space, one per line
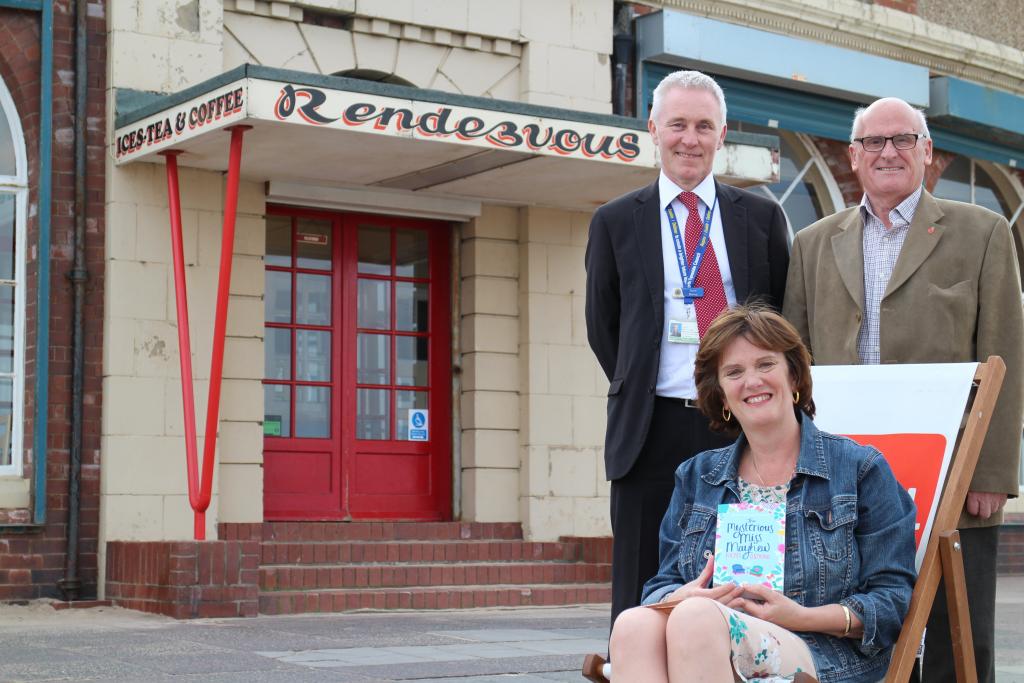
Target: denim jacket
849 540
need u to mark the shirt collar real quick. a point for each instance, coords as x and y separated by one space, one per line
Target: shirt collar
668 190
904 210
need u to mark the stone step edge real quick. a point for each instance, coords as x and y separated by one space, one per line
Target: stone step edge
296 531
419 565
467 588
462 597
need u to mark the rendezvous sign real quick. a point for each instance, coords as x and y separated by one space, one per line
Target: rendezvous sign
260 102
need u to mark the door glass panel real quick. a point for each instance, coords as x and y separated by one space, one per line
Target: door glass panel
411 361
374 304
279 241
312 408
404 400
411 306
312 299
277 410
411 253
7 236
277 353
313 244
372 414
372 359
312 356
277 297
374 250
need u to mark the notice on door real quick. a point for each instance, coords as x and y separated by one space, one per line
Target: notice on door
418 426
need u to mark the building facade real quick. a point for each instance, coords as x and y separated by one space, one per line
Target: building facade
403 336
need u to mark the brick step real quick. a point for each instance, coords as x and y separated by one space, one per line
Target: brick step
390 531
451 597
305 577
309 552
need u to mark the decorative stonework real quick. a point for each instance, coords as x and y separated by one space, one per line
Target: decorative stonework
296 11
877 30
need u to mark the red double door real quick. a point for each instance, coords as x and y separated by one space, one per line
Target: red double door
357 378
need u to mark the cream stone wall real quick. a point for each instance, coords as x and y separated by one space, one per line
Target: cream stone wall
143 481
165 46
563 390
489 322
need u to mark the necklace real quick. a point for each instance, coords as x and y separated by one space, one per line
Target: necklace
758 472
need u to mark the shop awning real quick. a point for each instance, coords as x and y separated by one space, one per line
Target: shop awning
334 132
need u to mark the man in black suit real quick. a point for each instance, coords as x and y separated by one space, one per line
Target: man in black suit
652 290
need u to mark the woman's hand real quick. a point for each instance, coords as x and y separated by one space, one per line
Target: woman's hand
770 605
724 594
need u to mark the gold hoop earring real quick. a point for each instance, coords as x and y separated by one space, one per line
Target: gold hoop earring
726 414
796 398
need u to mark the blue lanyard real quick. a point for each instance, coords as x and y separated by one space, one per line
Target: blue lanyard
689 274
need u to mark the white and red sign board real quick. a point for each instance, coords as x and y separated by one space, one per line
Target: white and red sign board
253 100
911 413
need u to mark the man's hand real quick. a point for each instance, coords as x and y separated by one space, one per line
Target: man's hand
983 504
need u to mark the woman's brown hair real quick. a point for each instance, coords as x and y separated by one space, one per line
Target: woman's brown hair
764 328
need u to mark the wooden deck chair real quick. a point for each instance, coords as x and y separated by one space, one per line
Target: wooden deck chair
942 557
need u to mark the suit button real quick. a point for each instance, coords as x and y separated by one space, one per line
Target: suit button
858 317
650 389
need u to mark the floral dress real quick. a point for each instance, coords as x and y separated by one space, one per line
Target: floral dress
763 652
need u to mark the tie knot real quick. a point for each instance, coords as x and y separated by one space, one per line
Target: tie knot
689 200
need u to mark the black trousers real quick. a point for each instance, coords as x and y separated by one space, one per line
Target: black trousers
979 551
639 500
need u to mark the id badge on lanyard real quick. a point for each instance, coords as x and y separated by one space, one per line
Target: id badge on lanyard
685 331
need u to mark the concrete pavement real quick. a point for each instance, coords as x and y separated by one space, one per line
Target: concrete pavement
523 645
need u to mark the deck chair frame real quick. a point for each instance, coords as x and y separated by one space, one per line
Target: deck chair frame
942 558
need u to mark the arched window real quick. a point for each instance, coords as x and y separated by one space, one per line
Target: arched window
988 185
13 208
806 189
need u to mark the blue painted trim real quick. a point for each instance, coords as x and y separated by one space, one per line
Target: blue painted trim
42 393
978 110
32 5
768 105
692 42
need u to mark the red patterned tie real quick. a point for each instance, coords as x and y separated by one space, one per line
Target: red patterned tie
708 277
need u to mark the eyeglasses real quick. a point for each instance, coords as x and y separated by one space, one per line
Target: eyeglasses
876 143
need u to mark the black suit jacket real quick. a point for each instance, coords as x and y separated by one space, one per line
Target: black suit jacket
625 297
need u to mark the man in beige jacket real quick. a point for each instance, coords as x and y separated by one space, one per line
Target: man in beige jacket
908 278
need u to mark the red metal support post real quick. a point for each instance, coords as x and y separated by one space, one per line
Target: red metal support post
184 345
200 487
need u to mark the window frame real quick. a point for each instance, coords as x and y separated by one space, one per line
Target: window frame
16 185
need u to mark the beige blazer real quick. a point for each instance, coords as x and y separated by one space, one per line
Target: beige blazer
954 296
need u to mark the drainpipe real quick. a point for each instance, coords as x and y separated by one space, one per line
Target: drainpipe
456 397
622 55
71 584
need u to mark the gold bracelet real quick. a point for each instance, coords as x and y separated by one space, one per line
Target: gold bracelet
846 611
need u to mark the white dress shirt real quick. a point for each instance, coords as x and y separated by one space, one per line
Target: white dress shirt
675 370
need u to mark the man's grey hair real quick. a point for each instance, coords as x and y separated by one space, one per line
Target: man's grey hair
693 80
922 120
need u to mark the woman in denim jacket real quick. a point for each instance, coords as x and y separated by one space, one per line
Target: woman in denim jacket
849 560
